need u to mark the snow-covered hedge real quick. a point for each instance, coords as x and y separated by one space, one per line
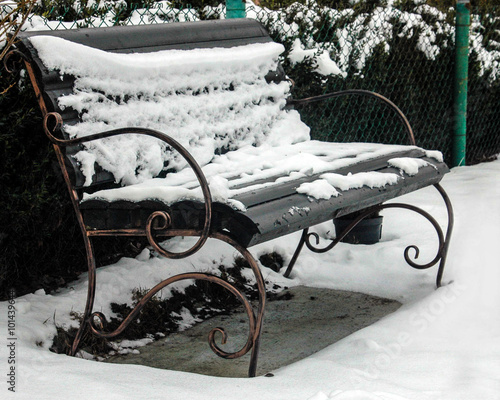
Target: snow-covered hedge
339 36
349 33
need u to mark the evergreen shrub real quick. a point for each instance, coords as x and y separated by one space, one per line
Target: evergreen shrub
37 223
41 242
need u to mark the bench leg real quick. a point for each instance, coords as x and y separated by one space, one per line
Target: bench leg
296 254
90 297
444 240
262 304
96 321
449 230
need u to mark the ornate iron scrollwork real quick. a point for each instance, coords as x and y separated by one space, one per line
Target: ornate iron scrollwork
443 244
98 322
12 61
158 223
53 123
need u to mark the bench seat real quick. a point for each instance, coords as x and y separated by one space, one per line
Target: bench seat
265 207
189 129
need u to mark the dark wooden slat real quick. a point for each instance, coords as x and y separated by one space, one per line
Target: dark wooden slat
273 219
259 196
181 35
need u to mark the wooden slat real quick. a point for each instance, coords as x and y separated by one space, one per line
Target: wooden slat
285 214
273 218
148 38
255 197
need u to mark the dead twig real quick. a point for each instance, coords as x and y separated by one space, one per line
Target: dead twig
9 24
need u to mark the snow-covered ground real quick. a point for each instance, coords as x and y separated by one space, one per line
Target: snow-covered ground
441 344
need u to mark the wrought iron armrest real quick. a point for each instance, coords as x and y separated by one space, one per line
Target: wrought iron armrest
359 92
52 124
160 221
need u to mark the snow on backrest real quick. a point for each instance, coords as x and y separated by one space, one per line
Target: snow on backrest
210 100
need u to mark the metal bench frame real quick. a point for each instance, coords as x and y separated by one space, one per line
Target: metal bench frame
158 226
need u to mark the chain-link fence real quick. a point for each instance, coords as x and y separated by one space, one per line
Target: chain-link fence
403 50
377 50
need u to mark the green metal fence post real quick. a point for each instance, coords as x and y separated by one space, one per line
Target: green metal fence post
461 78
235 9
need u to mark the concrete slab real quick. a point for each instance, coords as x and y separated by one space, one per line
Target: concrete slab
293 329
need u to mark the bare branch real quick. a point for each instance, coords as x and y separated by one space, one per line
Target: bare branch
13 16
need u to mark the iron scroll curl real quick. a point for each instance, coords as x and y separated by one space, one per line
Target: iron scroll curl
98 322
12 61
52 125
408 258
443 245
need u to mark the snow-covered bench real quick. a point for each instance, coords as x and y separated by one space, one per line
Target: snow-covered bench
134 111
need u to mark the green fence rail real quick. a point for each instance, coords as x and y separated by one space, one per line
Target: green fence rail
462 30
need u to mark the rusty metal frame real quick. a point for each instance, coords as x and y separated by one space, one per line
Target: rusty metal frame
444 240
158 225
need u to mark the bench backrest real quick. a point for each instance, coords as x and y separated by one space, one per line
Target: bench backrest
65 74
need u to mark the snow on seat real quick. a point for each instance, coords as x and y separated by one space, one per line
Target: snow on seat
271 191
221 105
